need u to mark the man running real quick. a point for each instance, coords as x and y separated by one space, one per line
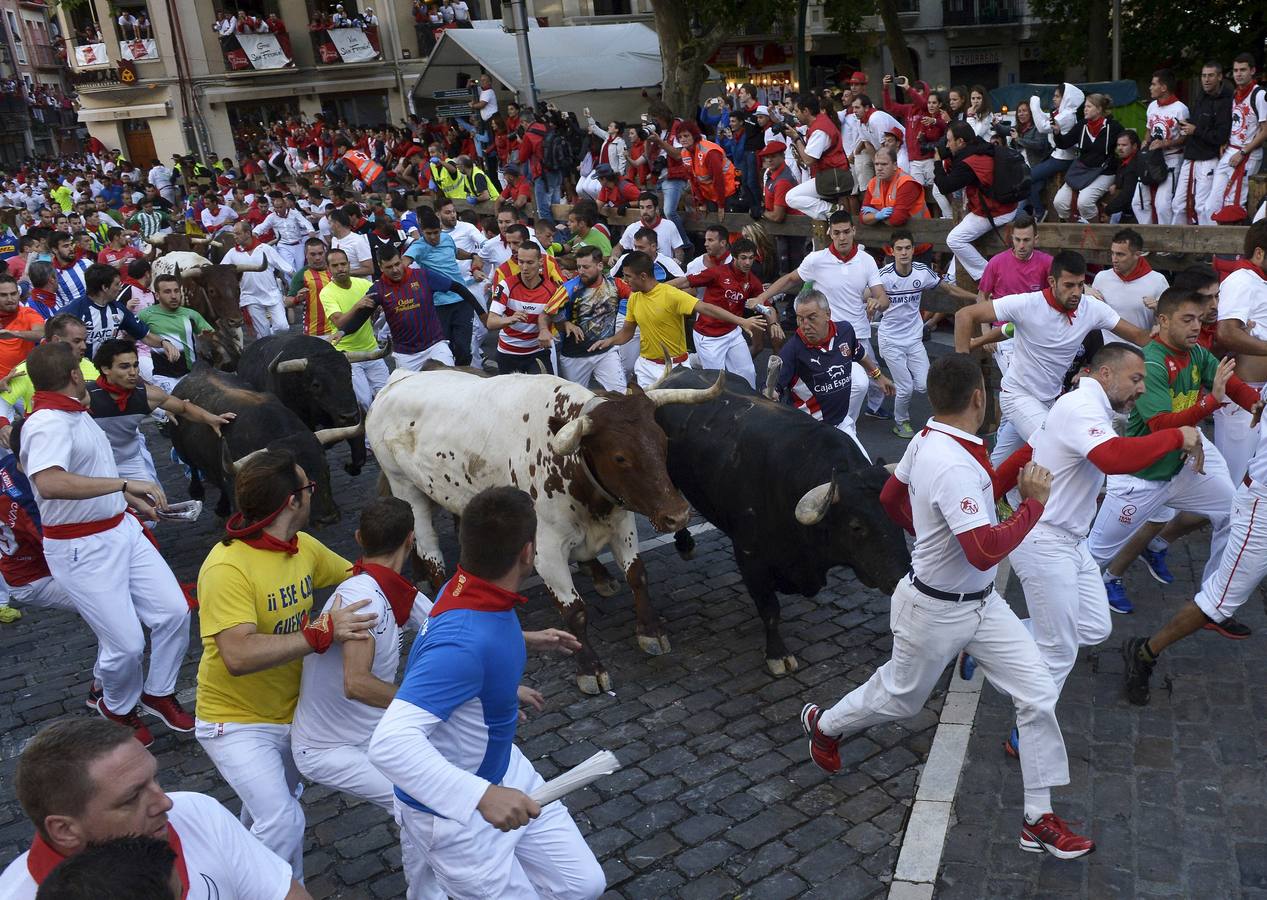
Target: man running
305 288
1242 330
261 301
516 304
341 298
944 492
176 323
586 309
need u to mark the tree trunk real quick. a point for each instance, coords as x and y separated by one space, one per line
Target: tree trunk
901 54
683 56
1099 45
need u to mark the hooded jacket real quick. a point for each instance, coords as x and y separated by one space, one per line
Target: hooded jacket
1066 115
1213 118
1096 150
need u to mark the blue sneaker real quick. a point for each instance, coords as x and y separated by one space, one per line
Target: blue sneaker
1156 562
1118 601
967 666
1012 746
880 413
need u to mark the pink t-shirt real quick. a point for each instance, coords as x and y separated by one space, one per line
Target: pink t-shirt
1006 275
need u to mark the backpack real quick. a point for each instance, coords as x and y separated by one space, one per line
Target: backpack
556 154
1011 180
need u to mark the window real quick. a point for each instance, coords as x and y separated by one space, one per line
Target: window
18 46
612 8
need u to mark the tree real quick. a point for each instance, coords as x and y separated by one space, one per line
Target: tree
894 38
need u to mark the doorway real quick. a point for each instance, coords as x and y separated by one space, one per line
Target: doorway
140 142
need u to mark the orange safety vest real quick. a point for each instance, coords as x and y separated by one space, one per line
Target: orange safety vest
699 170
366 169
887 195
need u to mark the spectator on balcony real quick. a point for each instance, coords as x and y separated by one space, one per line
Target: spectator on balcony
368 19
461 14
275 24
143 28
339 18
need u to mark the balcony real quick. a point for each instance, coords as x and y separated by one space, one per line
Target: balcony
338 46
54 117
980 12
42 56
257 52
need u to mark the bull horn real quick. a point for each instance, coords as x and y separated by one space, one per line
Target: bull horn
668 368
567 440
773 368
238 464
542 367
890 468
665 396
356 356
194 274
278 367
243 268
199 241
813 506
328 436
156 240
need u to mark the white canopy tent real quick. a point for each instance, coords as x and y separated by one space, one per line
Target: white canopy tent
604 67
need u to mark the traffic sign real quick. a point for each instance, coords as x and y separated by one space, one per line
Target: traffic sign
455 94
453 111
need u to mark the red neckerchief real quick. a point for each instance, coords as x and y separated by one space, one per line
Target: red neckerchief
1141 269
57 261
824 343
1051 301
467 591
1167 100
42 859
1094 126
54 400
129 281
975 449
119 394
1242 93
396 587
853 251
1235 264
250 247
1209 334
237 529
1126 161
866 114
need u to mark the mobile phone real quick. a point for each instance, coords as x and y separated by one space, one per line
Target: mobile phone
587 112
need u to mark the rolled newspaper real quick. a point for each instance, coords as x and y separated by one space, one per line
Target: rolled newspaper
604 762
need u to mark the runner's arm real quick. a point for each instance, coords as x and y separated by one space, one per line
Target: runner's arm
967 321
359 682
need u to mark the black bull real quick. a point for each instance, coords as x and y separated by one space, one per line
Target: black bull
262 423
760 471
312 378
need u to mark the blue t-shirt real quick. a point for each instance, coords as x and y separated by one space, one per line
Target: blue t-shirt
442 259
818 378
103 322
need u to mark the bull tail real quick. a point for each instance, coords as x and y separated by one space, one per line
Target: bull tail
384 487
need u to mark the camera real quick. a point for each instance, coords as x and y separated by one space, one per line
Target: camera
659 165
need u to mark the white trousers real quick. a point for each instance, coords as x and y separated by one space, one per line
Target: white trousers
971 227
293 252
908 367
1195 177
1064 591
922 171
1131 501
848 426
266 319
1234 438
368 378
546 858
629 352
589 186
927 635
256 760
440 351
804 198
1221 194
1088 197
647 371
1022 416
118 583
1159 199
1243 562
44 592
728 351
605 368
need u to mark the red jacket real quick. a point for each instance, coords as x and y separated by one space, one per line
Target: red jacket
970 170
912 115
624 193
532 148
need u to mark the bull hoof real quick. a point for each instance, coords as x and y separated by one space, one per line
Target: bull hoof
654 645
782 666
352 470
606 588
594 684
687 555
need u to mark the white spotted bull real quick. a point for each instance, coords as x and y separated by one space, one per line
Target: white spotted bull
589 462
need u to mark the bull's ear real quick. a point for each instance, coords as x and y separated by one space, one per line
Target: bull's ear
226 460
554 423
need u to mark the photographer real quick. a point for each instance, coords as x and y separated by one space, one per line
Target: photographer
748 113
924 127
660 130
819 151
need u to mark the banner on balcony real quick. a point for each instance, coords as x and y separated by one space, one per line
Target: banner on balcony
87 55
351 44
258 51
144 49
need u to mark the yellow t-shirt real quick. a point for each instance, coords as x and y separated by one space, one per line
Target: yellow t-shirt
658 314
335 299
20 390
240 585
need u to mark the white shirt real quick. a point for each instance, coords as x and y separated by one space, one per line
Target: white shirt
291 228
75 443
902 323
818 144
468 239
700 263
259 287
223 860
878 124
489 109
1247 115
1163 124
851 133
212 222
160 176
461 12
668 238
950 493
324 716
1243 297
1080 421
1047 340
668 263
355 245
843 284
1127 298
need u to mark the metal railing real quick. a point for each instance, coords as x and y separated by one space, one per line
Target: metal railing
980 12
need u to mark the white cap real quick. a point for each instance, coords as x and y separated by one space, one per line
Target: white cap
762 111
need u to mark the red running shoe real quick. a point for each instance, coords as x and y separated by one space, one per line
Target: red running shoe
1051 835
169 710
823 749
94 697
131 720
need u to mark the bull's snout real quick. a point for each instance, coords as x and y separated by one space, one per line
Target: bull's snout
673 519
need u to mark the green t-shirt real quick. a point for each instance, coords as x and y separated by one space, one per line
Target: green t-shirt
179 326
335 299
1172 383
596 238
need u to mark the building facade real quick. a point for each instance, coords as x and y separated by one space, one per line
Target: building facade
37 117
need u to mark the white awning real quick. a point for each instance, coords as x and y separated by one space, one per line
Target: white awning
281 86
114 113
